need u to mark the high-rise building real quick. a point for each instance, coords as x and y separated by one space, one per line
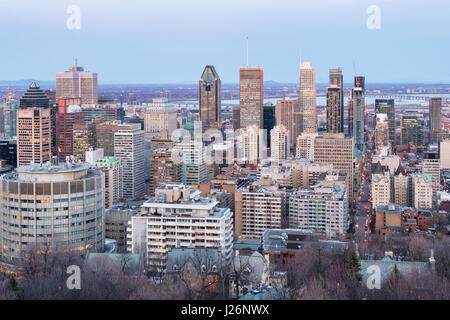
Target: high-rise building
108 112
279 143
335 102
163 169
58 203
251 89
387 106
77 83
10 106
334 124
356 113
84 137
435 110
412 132
382 141
113 170
258 208
444 151
33 136
194 168
305 146
287 114
210 99
422 191
401 193
34 97
129 147
431 166
380 189
236 112
159 116
178 217
104 134
307 100
322 209
8 151
337 150
252 145
269 120
69 114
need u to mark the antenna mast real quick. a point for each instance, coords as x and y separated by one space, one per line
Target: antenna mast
247 49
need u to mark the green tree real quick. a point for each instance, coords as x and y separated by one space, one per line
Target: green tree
353 264
13 287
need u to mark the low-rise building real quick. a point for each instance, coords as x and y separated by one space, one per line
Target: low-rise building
178 217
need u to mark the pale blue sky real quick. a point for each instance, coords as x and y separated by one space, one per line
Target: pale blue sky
162 41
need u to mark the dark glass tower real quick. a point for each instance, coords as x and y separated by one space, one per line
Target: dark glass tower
268 119
34 97
209 96
335 102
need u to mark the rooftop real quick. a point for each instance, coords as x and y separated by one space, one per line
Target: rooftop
390 208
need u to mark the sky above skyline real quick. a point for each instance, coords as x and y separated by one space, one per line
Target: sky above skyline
170 41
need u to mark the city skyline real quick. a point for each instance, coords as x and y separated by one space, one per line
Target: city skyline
140 52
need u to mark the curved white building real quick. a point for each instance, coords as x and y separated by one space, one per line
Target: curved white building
61 202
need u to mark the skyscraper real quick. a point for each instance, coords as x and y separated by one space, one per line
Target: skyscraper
307 100
251 89
287 114
84 137
33 127
334 124
236 113
337 150
435 109
34 97
77 83
210 101
10 106
129 147
431 166
104 135
69 114
159 116
335 102
387 106
412 132
356 113
269 120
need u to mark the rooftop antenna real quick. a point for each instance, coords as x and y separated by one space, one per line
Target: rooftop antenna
247 49
354 67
